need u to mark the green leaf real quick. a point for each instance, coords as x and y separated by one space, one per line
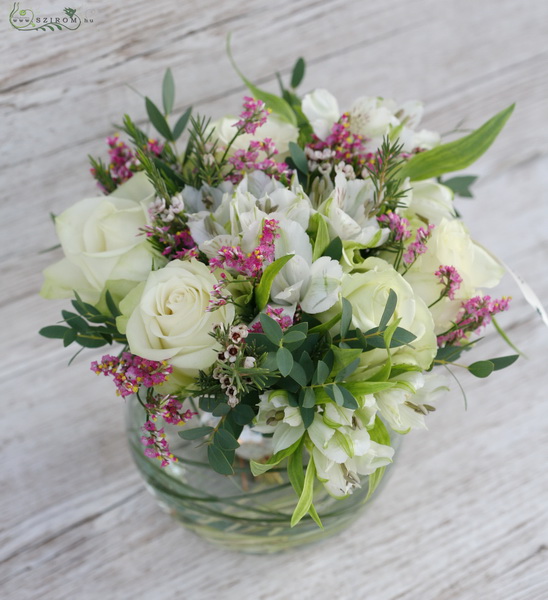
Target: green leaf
299 157
276 104
181 123
362 388
262 291
298 374
335 249
346 316
334 392
271 328
298 73
461 185
195 432
74 321
284 359
481 368
305 501
168 92
292 337
309 398
389 309
307 364
327 325
70 336
115 311
401 337
158 120
348 370
321 240
225 440
243 414
456 155
503 361
295 472
321 373
219 461
260 468
373 481
221 410
54 331
348 398
307 415
89 342
378 433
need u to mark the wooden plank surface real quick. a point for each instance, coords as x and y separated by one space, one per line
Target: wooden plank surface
465 514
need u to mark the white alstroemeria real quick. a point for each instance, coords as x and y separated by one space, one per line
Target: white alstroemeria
347 213
321 108
206 198
375 118
276 416
314 285
405 406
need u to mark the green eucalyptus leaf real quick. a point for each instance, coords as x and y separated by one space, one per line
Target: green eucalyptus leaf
284 358
299 157
181 123
225 440
481 368
309 399
348 370
321 373
168 92
195 433
346 316
243 414
504 361
348 398
458 154
461 185
389 309
54 331
158 120
334 249
271 328
219 460
298 73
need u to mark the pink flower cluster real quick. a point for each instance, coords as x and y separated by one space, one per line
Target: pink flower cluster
340 145
284 321
123 161
398 225
253 115
248 160
475 313
252 264
156 445
130 372
418 246
449 277
176 245
154 439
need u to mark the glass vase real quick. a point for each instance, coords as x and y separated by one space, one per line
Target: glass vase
239 512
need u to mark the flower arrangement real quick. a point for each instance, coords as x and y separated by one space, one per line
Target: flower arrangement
297 271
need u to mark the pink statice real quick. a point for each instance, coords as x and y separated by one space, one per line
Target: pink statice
398 225
130 372
245 161
251 265
254 115
418 246
169 408
474 314
340 148
174 240
449 277
276 313
156 445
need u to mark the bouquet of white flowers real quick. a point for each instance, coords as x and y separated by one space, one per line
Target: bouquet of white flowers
296 272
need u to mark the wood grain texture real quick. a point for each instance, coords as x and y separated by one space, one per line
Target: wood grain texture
465 513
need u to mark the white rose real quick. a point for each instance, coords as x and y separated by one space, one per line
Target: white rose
101 242
367 291
451 245
321 108
170 321
279 131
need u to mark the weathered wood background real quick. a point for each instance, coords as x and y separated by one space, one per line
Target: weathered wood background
466 513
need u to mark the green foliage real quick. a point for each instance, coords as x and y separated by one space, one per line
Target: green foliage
181 124
262 291
276 104
168 92
456 155
298 72
305 500
299 158
461 185
195 433
158 120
